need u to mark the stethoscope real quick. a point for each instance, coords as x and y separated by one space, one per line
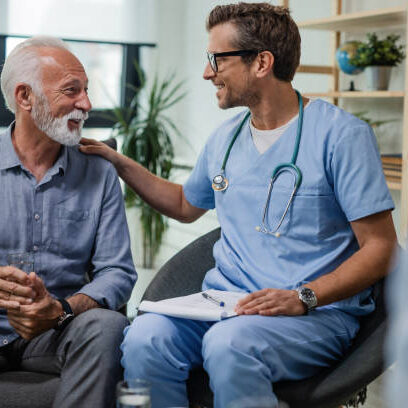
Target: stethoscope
220 182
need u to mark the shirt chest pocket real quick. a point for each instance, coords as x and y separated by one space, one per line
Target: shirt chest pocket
309 217
76 231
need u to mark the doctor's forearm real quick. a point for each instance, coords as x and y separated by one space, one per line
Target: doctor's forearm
360 271
377 239
164 196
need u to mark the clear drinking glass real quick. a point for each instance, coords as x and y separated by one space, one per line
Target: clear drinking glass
22 260
133 394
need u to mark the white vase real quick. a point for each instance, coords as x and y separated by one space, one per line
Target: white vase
378 77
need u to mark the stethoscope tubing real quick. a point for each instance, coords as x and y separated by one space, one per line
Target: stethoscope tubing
220 182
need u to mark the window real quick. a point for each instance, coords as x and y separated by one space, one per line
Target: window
109 67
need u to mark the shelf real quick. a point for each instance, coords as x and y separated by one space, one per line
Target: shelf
360 21
317 69
357 94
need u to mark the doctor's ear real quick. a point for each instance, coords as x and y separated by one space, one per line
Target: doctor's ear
24 96
264 63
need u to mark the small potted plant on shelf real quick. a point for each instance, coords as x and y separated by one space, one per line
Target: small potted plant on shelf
378 57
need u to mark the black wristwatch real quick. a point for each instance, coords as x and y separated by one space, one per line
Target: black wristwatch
66 317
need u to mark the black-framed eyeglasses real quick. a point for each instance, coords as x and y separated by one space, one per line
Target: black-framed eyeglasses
212 56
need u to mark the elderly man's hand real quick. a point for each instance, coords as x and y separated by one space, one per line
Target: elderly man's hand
30 320
15 288
271 302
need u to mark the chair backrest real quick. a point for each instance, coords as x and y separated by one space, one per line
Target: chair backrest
111 142
183 274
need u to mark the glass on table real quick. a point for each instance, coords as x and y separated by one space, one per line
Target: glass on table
22 260
133 393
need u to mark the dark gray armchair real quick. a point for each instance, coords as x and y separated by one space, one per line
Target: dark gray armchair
183 275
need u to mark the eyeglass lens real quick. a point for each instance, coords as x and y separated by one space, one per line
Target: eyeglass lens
212 61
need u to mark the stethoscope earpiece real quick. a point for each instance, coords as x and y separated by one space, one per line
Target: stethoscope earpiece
265 231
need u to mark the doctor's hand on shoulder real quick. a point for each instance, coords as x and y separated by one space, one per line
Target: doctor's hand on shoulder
91 146
271 302
39 315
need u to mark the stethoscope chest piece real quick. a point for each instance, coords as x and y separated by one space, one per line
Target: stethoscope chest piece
219 183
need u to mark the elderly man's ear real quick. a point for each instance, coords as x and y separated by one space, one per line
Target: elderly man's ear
24 97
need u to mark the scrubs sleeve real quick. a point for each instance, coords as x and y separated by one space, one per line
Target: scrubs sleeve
197 189
358 179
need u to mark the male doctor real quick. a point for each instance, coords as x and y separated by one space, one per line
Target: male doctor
309 283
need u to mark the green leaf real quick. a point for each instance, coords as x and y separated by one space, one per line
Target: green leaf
147 138
379 52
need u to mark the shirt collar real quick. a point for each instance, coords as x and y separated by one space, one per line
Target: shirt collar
9 158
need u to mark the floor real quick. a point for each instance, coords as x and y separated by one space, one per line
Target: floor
375 394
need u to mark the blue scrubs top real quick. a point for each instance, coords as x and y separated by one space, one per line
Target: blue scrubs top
342 181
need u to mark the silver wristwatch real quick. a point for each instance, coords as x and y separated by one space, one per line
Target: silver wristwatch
308 297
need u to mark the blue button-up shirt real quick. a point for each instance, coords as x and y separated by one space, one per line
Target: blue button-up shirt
72 221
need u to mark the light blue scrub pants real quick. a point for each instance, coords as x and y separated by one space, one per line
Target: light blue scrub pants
242 355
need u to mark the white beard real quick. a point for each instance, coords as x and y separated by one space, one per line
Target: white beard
57 128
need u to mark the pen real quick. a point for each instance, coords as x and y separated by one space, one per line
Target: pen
213 299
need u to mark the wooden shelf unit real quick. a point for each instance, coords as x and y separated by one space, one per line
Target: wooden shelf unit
357 94
360 21
365 21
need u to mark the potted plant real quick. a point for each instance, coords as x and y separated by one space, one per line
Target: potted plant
378 57
146 134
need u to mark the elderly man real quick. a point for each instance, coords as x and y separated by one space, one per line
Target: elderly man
307 274
66 210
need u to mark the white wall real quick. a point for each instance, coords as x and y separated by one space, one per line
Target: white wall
109 20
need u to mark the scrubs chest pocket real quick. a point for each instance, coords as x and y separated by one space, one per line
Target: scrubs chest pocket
310 216
76 231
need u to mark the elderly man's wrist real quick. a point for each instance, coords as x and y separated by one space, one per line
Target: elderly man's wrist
66 315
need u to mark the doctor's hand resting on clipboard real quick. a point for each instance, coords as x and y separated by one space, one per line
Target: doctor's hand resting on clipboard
306 224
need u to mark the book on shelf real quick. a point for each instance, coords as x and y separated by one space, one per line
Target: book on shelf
392 159
393 179
395 167
392 173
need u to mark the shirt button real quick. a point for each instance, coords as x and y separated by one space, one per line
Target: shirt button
37 217
5 341
35 248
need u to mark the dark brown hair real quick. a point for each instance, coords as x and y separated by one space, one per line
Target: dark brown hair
262 26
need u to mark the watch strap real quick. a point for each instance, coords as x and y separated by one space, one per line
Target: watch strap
67 315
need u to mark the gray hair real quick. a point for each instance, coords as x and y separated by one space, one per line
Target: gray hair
23 66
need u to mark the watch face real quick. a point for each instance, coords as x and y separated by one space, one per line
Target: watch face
307 296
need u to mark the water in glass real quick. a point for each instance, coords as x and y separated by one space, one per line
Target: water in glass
22 260
133 401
